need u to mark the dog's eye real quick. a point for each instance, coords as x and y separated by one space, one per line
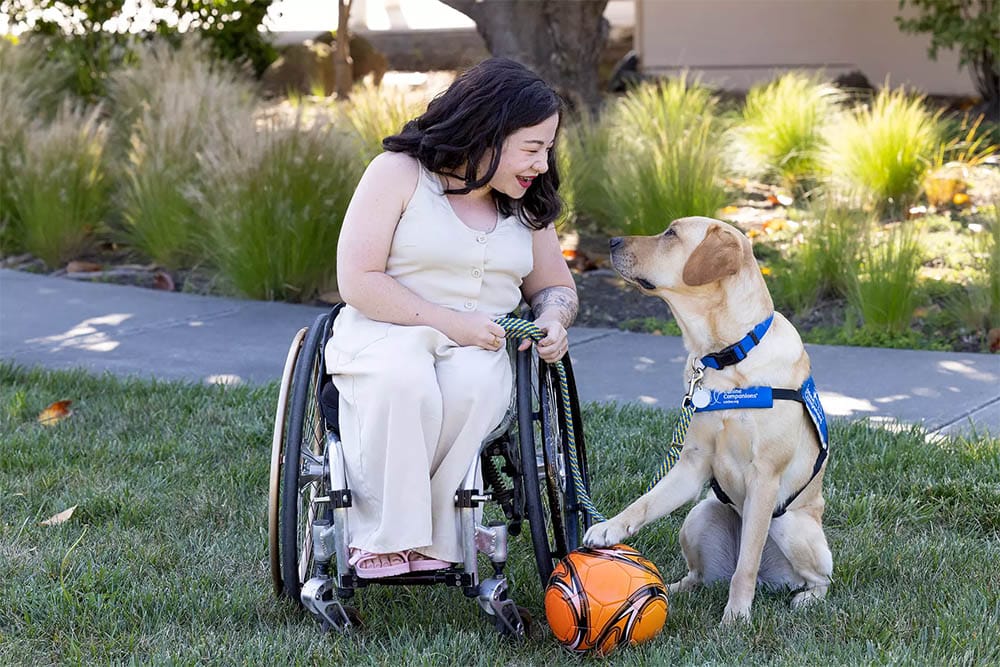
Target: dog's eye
670 232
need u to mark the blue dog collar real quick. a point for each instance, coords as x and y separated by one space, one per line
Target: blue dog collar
737 352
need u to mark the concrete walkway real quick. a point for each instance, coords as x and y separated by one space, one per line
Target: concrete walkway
62 323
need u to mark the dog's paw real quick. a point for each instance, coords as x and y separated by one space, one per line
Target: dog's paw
605 534
808 597
734 615
688 583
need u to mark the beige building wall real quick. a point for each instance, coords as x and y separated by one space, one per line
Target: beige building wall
736 43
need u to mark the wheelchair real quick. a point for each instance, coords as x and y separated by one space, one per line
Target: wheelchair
523 466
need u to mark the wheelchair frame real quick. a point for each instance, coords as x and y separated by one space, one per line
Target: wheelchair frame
309 502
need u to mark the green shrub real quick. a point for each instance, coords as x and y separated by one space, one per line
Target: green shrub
666 159
374 113
885 292
972 27
171 105
78 34
879 153
59 188
275 200
780 132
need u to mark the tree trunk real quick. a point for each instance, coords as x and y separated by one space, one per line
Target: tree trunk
342 64
561 40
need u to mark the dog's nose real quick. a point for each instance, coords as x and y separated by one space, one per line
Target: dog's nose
615 242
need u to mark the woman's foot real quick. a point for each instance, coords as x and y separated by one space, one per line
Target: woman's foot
421 563
372 566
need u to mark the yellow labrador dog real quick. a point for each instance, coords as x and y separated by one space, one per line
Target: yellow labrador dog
758 434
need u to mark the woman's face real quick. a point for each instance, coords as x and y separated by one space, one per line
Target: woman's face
524 156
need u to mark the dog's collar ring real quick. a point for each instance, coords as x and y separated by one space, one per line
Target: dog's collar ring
694 388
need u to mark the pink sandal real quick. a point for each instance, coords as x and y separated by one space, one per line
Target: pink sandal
421 563
374 571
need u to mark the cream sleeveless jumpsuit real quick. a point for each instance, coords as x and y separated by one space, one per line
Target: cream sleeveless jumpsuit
414 405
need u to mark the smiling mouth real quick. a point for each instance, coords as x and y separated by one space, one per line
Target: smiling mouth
525 182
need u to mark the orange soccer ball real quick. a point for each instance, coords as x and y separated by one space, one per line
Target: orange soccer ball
599 599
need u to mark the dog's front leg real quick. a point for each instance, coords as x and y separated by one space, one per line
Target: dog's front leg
762 492
682 484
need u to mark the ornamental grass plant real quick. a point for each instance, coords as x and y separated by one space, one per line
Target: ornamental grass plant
824 263
59 187
29 92
375 113
665 158
583 147
780 132
168 108
977 304
885 290
274 200
878 154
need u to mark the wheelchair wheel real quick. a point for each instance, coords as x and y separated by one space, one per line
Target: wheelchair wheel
277 450
555 518
304 478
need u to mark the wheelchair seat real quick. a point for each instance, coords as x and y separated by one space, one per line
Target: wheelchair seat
329 403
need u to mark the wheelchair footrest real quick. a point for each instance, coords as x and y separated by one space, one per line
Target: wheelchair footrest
457 578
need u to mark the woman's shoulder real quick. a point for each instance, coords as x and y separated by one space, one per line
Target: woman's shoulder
398 165
396 172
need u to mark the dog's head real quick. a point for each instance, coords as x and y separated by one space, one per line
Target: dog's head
691 253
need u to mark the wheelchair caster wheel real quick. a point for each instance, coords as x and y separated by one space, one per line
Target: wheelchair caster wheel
355 622
318 599
513 621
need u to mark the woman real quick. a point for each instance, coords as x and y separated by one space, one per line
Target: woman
447 230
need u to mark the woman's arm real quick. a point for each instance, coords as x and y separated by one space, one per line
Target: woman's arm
363 253
551 292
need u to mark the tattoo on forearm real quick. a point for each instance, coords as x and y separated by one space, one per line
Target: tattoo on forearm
561 301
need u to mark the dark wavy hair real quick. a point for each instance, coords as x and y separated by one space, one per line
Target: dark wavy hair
477 112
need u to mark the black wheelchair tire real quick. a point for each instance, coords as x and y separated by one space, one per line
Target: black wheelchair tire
549 542
304 427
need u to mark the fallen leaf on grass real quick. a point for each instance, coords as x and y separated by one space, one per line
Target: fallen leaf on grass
55 413
61 517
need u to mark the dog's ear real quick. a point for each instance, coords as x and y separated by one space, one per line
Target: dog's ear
720 254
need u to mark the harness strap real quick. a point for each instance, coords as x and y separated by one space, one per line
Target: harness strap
783 395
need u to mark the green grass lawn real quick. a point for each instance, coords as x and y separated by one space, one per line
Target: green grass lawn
165 557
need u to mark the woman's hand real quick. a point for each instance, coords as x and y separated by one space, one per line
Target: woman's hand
468 329
554 344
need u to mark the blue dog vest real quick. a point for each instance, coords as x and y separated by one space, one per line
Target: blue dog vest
763 397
